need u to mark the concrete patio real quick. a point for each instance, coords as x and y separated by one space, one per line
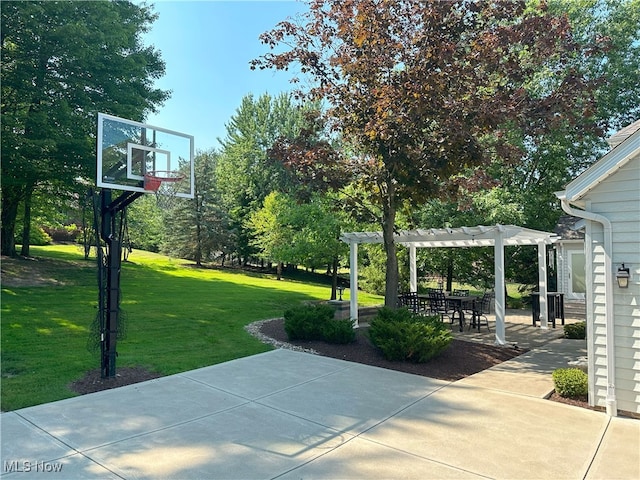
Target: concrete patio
286 414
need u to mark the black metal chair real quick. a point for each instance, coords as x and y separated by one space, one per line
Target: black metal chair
411 301
481 308
439 306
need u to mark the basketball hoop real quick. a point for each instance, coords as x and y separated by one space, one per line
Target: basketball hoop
164 184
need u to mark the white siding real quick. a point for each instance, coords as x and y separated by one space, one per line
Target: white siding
618 199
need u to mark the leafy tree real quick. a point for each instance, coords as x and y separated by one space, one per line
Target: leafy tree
62 63
287 231
426 89
555 158
474 266
198 229
318 225
273 231
617 24
145 224
244 172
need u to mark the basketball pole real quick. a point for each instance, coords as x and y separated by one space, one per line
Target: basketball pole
110 297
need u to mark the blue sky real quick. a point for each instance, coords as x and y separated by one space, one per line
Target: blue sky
207 46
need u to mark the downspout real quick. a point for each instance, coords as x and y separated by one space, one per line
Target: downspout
611 402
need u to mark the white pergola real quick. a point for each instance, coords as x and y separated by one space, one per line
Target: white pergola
497 236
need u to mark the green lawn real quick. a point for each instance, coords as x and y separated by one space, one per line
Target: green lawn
178 317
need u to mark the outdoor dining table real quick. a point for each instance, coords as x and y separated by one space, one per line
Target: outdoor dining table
459 302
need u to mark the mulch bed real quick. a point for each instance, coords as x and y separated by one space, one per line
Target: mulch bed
458 361
92 382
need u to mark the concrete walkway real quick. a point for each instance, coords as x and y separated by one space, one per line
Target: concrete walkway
291 415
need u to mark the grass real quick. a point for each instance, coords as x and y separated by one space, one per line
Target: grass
514 299
178 317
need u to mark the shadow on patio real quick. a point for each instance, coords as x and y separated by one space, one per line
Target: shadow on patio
519 330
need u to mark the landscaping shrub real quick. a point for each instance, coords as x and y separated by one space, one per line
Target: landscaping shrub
576 330
65 233
339 331
307 322
37 236
570 382
316 322
402 335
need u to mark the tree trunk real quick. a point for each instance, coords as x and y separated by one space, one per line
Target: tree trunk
10 202
279 271
388 228
26 227
449 287
198 252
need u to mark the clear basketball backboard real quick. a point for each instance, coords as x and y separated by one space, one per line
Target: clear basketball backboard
128 151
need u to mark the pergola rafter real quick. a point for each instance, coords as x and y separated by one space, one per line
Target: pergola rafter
497 236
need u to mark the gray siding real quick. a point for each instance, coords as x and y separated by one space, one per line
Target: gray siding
618 199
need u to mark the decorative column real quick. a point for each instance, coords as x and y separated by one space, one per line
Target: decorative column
353 282
413 271
499 288
542 284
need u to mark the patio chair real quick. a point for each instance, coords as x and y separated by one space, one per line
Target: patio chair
481 308
411 301
460 292
402 301
439 306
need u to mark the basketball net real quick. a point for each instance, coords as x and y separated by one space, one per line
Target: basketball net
164 184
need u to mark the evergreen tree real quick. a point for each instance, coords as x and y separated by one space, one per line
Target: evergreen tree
199 229
245 173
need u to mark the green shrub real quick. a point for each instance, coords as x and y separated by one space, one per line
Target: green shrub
37 236
339 331
515 303
402 335
576 330
307 322
570 382
316 322
64 233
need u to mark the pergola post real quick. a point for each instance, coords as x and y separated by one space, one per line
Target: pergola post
542 282
413 272
353 282
499 288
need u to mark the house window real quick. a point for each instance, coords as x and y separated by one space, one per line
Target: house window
577 272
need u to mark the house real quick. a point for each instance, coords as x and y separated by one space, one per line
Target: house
607 197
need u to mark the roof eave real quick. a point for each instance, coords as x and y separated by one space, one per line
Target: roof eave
614 160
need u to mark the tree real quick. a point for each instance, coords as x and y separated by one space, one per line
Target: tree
145 224
552 160
245 173
300 233
62 63
474 266
616 22
426 89
273 231
198 229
